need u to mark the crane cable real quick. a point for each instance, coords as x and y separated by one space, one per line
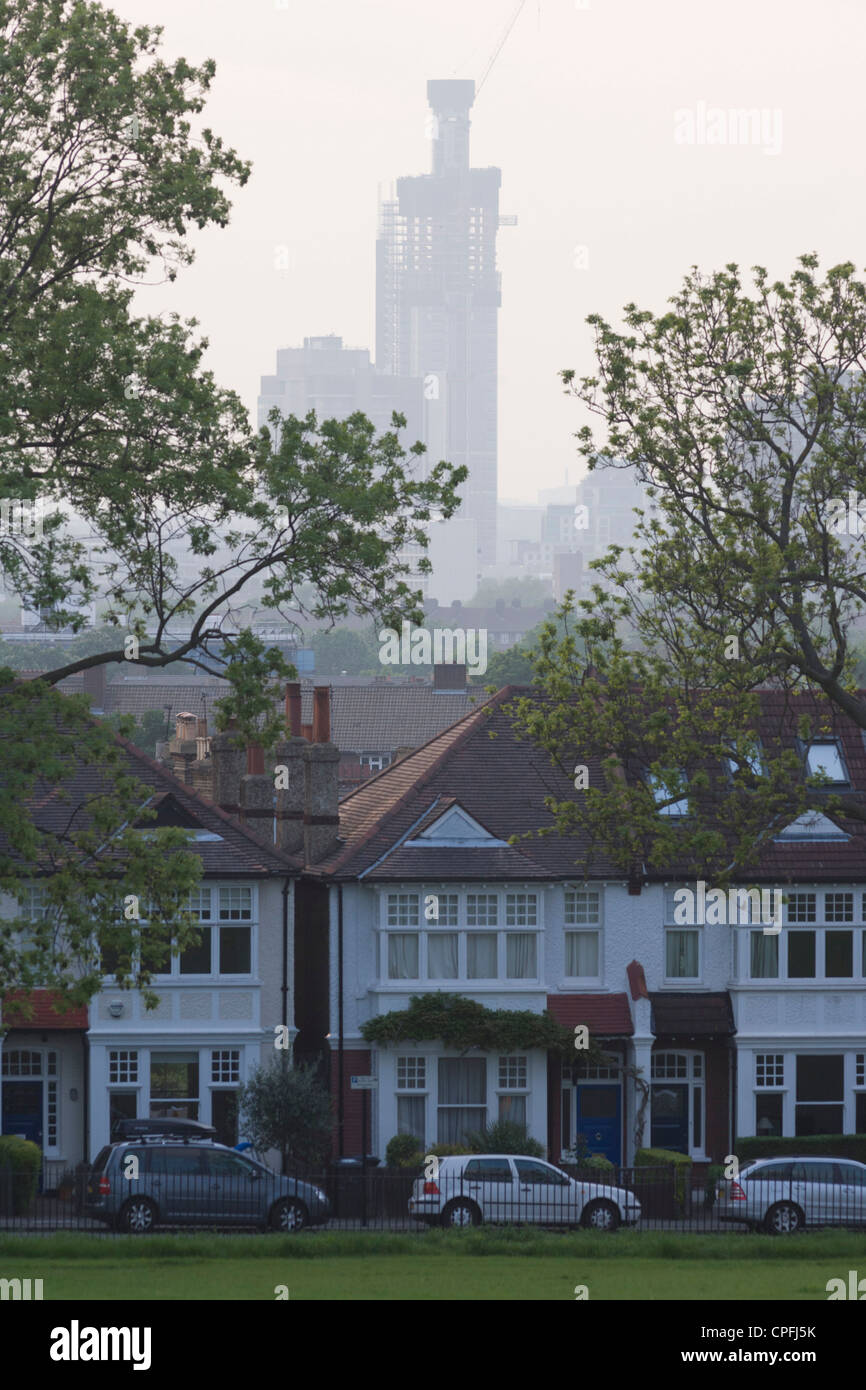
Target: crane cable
499 47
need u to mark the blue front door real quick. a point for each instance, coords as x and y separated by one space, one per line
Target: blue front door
22 1109
599 1119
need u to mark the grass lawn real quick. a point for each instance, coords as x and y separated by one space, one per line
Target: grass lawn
458 1277
437 1265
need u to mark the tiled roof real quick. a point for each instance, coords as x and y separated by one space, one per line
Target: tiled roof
373 718
46 1012
136 697
498 779
503 783
606 1015
237 852
448 862
784 862
690 1014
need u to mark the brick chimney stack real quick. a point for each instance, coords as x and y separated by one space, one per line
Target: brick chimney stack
321 783
183 748
229 759
256 796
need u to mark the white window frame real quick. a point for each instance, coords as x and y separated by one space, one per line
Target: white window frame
43 1065
426 928
583 980
684 981
206 905
813 764
219 1064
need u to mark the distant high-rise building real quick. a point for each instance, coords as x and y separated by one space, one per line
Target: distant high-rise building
336 381
437 300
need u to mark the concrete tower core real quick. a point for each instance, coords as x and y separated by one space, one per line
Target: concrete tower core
437 299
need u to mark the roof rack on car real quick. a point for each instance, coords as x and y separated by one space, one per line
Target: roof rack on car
168 1139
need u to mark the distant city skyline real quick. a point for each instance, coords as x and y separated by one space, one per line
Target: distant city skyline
585 111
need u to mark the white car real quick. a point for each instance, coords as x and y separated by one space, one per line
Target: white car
498 1188
782 1195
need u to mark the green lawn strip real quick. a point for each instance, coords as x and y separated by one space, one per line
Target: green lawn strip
486 1242
456 1277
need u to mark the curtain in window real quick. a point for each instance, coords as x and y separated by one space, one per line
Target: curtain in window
462 1080
513 1109
403 956
481 955
682 954
410 1117
462 1097
442 956
520 956
765 956
581 953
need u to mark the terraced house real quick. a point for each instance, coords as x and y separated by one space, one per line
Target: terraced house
712 1030
319 915
66 1077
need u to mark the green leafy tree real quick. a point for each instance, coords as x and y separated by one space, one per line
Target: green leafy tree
511 667
287 1108
342 650
145 732
161 503
745 413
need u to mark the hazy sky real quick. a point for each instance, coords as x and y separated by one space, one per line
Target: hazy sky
328 99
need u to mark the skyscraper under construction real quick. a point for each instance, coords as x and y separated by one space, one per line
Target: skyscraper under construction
437 299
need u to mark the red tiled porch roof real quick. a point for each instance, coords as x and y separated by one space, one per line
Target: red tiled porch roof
606 1015
46 1012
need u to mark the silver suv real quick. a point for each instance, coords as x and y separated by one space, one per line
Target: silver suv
465 1190
138 1184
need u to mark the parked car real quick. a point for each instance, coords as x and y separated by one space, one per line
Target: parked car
500 1188
195 1183
168 1129
784 1195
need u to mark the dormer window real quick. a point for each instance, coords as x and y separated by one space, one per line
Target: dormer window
824 759
750 760
666 786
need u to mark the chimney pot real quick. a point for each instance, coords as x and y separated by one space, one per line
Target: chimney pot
293 708
322 714
255 760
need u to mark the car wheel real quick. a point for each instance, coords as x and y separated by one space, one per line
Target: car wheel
289 1215
784 1219
601 1216
137 1216
460 1214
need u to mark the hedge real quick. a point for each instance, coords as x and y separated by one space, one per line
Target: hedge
667 1158
837 1145
20 1162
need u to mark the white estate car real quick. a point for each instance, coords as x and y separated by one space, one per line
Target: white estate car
497 1188
783 1195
